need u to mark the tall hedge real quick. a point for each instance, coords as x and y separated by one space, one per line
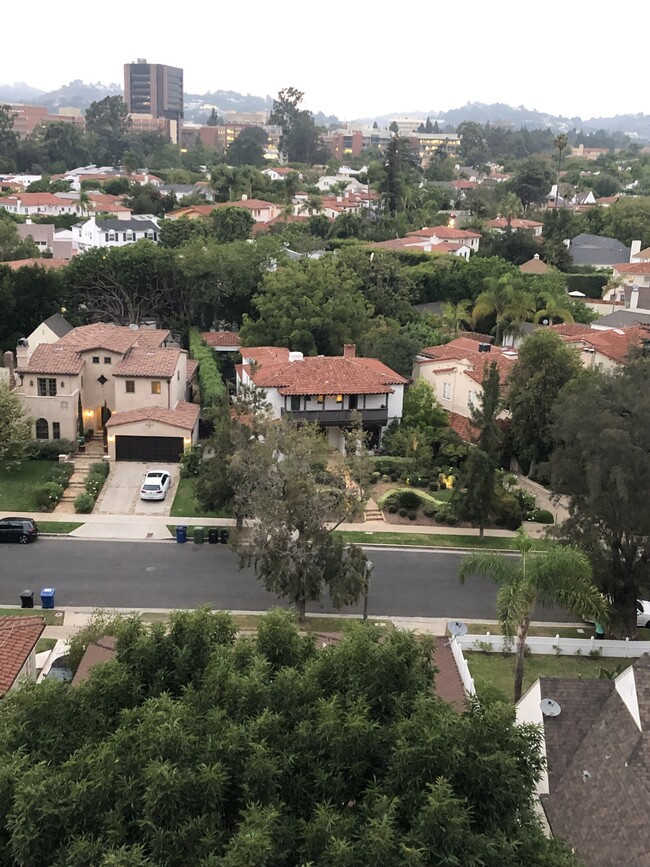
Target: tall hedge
210 382
589 284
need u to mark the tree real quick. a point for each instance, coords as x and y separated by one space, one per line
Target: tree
601 463
214 488
505 299
8 139
12 246
532 182
213 119
394 127
108 122
300 140
473 148
559 576
544 367
455 315
555 308
561 142
485 413
248 148
473 498
290 735
15 428
290 543
391 184
231 224
510 208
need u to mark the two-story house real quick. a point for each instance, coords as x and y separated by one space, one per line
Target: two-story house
128 384
113 232
327 390
448 235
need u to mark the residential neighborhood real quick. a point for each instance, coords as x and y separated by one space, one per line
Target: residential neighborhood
324 446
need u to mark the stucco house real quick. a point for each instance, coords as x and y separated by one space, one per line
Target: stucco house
327 390
131 385
18 639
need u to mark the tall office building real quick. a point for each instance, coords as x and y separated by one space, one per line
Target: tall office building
154 92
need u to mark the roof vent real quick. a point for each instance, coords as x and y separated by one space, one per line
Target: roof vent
296 356
485 347
549 707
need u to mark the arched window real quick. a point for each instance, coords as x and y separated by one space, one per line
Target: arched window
42 429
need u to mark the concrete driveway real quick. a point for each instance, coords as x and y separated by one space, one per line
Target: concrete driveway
121 492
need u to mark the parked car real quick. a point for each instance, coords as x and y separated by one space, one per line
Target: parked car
155 485
21 530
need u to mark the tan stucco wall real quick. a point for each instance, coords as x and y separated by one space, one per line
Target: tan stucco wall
62 408
149 429
171 391
93 393
460 386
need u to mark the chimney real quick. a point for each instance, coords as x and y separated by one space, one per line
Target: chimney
9 365
634 298
244 198
635 249
349 350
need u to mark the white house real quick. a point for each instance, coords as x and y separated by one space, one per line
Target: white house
279 173
327 390
113 233
38 203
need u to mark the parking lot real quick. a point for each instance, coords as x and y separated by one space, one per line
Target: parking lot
121 492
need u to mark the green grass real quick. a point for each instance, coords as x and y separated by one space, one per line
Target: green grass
61 527
585 631
434 540
250 622
428 498
185 505
52 617
494 672
18 488
45 644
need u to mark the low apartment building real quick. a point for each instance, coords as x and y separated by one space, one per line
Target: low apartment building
327 390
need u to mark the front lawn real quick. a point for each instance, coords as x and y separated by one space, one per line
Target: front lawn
496 673
434 540
58 527
49 615
18 488
185 505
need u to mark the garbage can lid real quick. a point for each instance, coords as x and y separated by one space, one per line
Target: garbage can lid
27 593
181 526
48 591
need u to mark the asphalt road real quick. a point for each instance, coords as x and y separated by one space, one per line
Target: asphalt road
149 575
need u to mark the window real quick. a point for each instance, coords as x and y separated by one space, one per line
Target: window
107 359
42 429
95 359
339 398
56 430
471 396
46 388
320 398
446 391
353 401
295 403
155 386
130 386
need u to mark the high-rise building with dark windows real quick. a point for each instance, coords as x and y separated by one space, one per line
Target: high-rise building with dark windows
154 91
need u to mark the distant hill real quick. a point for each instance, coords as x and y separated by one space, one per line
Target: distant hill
198 107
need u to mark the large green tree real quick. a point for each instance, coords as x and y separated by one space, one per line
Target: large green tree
248 148
601 463
544 366
231 224
198 746
505 299
15 428
559 576
473 497
301 141
107 123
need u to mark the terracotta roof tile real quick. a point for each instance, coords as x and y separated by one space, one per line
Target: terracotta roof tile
116 338
615 343
463 426
445 233
18 637
183 416
328 375
515 223
571 329
463 349
221 338
54 358
192 367
633 268
148 362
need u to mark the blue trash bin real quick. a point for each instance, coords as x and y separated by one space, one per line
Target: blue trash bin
181 534
47 597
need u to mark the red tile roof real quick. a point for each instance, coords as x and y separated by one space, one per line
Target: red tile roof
183 416
34 199
221 338
192 367
191 210
117 338
18 637
249 204
515 223
633 268
149 362
571 329
445 233
615 343
41 263
53 358
463 349
463 426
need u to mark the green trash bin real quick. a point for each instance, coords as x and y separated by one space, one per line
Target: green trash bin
199 535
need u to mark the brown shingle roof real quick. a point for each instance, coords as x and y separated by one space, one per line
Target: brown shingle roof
18 637
148 362
183 416
535 266
96 653
54 358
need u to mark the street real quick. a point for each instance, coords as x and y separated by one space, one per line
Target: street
146 575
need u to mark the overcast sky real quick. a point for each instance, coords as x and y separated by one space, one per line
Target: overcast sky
355 59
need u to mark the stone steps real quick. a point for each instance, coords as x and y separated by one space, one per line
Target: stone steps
373 515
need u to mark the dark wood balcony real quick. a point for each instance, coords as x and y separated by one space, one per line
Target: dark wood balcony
327 417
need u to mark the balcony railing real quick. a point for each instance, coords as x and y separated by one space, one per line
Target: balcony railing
338 416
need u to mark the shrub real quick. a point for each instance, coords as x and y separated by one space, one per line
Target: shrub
101 468
394 477
386 464
392 508
49 450
84 504
409 500
61 474
412 516
211 384
403 513
373 480
48 495
451 519
429 511
433 486
543 516
440 517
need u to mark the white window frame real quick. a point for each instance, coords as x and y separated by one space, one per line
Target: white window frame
446 391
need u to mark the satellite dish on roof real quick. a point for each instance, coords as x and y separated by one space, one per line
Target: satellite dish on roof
457 628
133 326
550 707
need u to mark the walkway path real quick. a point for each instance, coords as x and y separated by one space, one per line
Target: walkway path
559 509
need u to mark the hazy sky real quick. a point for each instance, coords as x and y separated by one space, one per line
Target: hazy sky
359 58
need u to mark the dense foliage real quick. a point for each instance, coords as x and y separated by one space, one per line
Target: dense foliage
199 747
210 380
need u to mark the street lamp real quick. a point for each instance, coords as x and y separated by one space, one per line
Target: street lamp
369 568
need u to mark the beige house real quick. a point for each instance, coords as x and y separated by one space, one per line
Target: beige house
131 386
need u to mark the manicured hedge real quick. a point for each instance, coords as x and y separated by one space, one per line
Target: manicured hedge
590 285
210 381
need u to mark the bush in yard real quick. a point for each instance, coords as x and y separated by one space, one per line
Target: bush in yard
430 511
49 450
409 500
48 495
84 504
210 380
440 517
61 474
433 486
394 476
403 513
412 516
543 516
101 468
392 508
451 519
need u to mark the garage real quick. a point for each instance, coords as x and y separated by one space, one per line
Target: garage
150 449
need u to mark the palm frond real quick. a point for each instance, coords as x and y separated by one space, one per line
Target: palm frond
500 569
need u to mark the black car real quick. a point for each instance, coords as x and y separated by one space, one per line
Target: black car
21 530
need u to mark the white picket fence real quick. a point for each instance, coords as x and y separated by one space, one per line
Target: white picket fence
557 645
463 668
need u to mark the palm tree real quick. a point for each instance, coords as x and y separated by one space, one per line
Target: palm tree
84 202
554 308
498 299
511 207
313 205
222 180
559 576
455 315
521 309
561 142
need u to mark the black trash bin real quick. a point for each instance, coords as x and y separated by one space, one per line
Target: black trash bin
181 534
223 535
27 599
213 535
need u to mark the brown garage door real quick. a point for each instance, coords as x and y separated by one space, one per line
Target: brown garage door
149 449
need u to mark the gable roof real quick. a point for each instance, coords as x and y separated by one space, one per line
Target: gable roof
535 266
53 358
588 249
221 338
184 416
18 637
58 324
632 267
102 650
148 362
117 338
463 349
515 223
445 233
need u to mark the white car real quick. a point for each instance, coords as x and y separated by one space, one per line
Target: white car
155 485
